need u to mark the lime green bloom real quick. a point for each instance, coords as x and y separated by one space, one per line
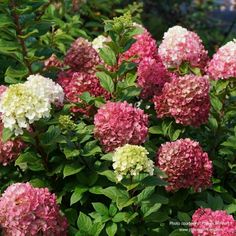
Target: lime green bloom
131 160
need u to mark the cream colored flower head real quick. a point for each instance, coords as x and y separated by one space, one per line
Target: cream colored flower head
23 104
131 160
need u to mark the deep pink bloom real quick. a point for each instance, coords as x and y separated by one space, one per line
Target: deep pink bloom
185 164
152 75
119 123
11 149
75 84
206 222
223 63
180 45
145 46
81 56
53 61
186 99
25 210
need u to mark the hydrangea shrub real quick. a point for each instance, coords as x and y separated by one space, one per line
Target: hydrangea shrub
114 135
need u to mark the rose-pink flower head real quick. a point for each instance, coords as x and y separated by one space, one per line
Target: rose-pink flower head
180 45
152 75
75 84
145 46
52 62
185 164
81 56
25 210
119 123
206 222
223 63
186 99
10 149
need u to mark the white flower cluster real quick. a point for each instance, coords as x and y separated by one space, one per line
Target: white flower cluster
131 160
22 104
98 42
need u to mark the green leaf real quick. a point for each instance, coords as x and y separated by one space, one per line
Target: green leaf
84 222
106 81
147 192
108 55
216 103
50 136
71 152
77 194
112 209
100 208
107 157
72 169
154 208
111 228
178 232
155 130
30 161
97 228
121 216
231 208
6 134
184 217
109 174
91 148
154 181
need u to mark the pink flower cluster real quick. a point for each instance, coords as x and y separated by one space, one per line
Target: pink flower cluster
223 63
76 83
119 123
180 45
152 75
206 222
186 99
185 164
145 46
9 150
81 56
53 61
25 210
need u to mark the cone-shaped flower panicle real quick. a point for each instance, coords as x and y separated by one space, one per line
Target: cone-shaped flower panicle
119 123
186 99
145 46
22 104
25 210
180 45
81 56
130 160
223 63
152 75
206 222
75 84
185 164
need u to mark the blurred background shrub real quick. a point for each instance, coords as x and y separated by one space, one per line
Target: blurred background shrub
32 30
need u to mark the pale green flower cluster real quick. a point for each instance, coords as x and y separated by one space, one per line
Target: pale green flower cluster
131 160
98 42
23 104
